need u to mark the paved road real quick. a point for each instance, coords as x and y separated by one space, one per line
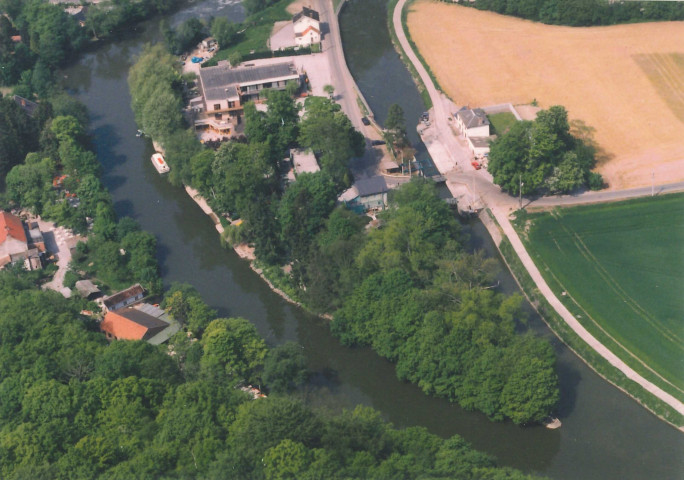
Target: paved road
502 204
346 91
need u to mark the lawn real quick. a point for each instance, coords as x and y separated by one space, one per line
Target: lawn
622 268
258 29
502 122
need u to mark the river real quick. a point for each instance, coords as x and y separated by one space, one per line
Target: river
604 433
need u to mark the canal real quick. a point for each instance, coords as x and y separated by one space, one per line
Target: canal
604 433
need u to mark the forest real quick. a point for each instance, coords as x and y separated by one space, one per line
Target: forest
73 406
584 13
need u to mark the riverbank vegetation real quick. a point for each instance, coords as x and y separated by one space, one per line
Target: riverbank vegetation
577 13
407 289
75 406
36 37
543 157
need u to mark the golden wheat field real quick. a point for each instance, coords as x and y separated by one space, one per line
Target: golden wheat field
624 81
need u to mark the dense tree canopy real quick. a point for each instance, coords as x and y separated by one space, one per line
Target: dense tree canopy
74 406
328 132
428 306
585 12
543 156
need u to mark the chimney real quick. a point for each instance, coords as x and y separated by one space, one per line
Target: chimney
23 102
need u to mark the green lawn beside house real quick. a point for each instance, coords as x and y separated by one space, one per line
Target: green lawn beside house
258 29
501 122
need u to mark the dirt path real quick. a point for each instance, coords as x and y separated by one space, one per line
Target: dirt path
501 208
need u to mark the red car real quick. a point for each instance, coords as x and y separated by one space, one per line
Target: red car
476 165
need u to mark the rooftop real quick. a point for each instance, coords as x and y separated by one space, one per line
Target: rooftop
11 226
26 105
472 118
306 12
86 288
119 297
132 324
371 186
220 81
479 142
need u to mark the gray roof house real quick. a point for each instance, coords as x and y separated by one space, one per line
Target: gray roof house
225 90
473 122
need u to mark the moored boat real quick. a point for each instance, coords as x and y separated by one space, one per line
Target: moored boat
159 163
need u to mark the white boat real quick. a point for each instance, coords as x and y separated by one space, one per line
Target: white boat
159 163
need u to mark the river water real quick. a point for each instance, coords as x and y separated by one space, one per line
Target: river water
604 433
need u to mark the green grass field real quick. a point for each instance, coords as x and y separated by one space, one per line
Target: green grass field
502 122
622 268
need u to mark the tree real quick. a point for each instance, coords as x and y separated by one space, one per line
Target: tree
286 460
328 132
235 58
395 119
303 209
233 349
224 31
330 90
285 368
542 155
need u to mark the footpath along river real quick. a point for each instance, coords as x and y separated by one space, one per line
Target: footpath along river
604 434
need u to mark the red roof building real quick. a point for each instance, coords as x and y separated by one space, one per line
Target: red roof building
131 324
13 239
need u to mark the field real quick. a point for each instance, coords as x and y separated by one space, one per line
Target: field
621 267
624 81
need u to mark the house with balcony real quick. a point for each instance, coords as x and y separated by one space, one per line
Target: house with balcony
225 90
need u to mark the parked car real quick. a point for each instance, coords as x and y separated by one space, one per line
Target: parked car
377 142
365 121
476 165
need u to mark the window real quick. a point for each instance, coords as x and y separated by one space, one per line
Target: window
268 84
217 106
231 104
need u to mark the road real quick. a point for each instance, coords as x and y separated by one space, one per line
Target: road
346 92
501 205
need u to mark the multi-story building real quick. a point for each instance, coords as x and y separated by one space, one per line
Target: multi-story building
225 91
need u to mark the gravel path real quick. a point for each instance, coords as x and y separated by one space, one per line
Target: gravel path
502 204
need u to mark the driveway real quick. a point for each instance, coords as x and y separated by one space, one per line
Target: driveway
58 241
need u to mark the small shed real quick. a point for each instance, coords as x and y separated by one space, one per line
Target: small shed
367 194
479 145
88 289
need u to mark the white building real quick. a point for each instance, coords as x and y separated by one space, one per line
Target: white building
472 122
225 91
307 27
